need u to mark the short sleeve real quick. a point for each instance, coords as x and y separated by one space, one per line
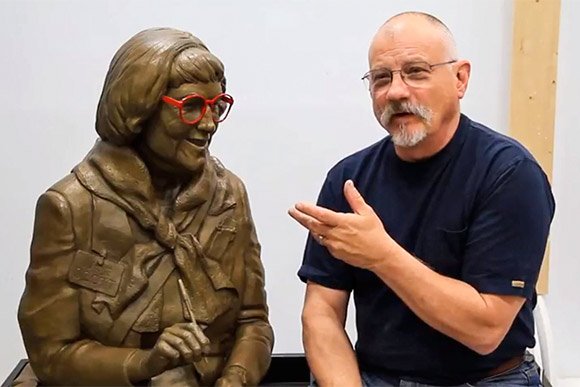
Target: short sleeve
508 234
318 265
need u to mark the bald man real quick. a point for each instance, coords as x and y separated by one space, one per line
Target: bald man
438 229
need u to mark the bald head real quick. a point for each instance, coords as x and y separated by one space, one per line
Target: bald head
416 81
423 26
430 18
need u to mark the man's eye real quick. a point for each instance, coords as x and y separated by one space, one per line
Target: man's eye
382 77
416 70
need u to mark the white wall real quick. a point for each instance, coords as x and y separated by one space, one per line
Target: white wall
563 300
294 68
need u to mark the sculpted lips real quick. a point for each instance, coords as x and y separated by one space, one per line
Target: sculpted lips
200 142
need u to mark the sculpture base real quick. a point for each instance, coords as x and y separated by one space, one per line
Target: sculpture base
285 370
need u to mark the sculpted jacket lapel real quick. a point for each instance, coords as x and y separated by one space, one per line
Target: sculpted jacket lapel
118 177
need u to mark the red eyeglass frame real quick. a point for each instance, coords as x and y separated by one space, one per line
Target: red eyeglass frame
179 104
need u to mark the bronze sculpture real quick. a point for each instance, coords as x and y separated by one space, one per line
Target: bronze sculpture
145 265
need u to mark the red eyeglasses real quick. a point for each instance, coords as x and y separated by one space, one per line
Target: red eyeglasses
193 107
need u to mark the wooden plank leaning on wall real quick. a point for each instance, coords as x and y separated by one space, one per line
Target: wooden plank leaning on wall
533 86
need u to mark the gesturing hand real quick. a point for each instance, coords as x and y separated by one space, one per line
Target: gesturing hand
358 239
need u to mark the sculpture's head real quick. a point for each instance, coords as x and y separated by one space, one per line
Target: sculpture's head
164 92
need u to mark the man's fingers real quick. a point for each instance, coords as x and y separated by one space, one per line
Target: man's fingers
323 215
313 225
305 220
355 199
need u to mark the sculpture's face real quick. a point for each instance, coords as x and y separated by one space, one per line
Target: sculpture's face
180 146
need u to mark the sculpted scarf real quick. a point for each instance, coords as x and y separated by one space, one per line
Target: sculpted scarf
118 174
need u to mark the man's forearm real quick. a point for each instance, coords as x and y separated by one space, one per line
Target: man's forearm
448 305
329 352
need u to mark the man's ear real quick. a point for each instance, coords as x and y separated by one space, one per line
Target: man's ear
463 73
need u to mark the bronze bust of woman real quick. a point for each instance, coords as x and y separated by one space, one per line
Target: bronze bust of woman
145 266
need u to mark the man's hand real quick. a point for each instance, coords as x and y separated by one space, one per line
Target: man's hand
358 239
179 344
453 307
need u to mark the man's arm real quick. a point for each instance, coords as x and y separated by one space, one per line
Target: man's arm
455 308
328 349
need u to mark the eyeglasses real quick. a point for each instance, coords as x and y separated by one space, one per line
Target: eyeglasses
192 108
414 74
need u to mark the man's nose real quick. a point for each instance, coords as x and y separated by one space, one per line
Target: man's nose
398 89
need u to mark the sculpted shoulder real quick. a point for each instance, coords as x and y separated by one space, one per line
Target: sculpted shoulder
66 204
70 187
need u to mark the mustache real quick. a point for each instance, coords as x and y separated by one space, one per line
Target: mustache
398 107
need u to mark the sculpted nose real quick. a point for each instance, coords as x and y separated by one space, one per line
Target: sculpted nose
206 124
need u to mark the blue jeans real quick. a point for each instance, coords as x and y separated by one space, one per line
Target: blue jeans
525 374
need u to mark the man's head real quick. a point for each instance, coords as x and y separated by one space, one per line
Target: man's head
416 79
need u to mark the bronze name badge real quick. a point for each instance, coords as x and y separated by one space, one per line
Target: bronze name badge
96 273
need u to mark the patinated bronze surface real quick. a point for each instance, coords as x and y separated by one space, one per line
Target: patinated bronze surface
145 266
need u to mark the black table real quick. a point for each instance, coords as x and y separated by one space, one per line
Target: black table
289 369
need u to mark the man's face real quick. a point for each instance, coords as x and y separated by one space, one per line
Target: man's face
411 113
179 145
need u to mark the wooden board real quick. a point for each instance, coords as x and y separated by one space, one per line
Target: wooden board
533 86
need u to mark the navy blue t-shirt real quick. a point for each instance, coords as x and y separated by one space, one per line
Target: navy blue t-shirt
478 211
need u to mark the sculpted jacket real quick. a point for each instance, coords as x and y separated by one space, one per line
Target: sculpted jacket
105 258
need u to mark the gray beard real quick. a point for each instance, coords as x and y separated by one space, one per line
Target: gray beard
402 136
405 138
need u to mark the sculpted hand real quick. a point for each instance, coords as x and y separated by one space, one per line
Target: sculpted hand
232 377
179 344
358 239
